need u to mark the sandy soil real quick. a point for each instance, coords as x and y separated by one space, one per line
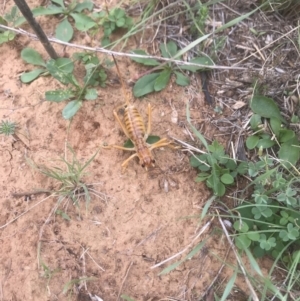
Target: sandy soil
146 218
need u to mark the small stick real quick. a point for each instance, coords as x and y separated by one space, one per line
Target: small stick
25 10
28 193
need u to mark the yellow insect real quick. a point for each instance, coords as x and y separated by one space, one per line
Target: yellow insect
135 130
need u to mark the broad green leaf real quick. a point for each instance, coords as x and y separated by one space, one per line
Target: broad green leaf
242 241
227 179
58 95
255 121
254 236
60 2
6 36
168 50
64 31
242 168
152 139
265 107
265 143
285 135
241 226
61 69
71 109
181 79
120 22
275 126
84 5
44 11
252 141
290 151
203 60
28 77
91 94
145 85
162 80
31 56
145 61
83 22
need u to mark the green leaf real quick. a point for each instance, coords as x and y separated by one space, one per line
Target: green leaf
31 56
275 126
181 79
254 236
144 61
59 95
241 226
128 144
286 135
6 36
61 69
252 141
265 107
162 80
265 143
242 241
290 151
91 94
83 22
242 168
71 109
121 22
45 11
152 139
227 179
145 85
3 21
168 50
203 60
255 121
28 77
64 31
84 5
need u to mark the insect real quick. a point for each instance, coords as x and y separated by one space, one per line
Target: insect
135 130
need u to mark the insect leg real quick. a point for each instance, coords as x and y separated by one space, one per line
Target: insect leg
163 142
149 120
120 147
125 163
121 124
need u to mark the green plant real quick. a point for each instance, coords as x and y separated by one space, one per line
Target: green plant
12 19
70 181
157 81
111 21
64 30
62 70
270 131
268 222
8 128
216 168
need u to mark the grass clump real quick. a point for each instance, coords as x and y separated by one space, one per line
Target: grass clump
8 128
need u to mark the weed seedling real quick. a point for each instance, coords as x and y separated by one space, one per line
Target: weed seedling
111 21
217 169
62 70
157 81
8 128
70 181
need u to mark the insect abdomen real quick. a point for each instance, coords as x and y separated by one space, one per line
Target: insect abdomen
134 123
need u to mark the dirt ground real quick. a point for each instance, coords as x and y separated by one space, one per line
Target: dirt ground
146 217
